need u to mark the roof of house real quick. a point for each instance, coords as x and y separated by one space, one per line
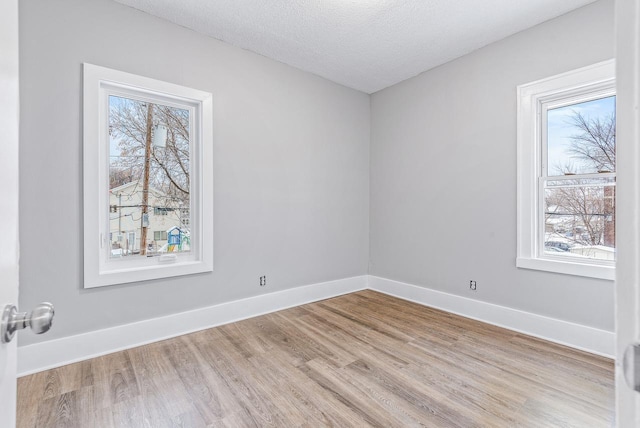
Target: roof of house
125 188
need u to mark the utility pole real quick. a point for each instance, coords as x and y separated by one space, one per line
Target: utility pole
120 219
145 181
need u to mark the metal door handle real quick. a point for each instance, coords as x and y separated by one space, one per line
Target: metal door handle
39 319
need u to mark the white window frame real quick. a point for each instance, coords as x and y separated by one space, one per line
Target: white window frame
99 268
534 99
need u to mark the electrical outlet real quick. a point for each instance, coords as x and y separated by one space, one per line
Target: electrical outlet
263 281
472 285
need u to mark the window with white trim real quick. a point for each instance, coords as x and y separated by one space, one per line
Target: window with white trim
567 173
147 178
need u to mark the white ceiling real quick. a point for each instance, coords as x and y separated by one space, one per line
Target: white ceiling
363 44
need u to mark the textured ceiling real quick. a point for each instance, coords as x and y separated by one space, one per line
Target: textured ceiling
363 44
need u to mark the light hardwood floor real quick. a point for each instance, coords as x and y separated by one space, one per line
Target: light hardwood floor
364 359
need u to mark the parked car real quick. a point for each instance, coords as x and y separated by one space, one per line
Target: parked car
556 245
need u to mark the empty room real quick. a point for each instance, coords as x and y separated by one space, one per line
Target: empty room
316 213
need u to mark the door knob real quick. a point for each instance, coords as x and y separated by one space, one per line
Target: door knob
39 319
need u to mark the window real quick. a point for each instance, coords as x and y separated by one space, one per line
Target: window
567 173
147 162
184 217
162 210
160 235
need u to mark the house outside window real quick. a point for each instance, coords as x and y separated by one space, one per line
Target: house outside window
567 173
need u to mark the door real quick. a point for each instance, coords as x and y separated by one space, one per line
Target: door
8 198
628 201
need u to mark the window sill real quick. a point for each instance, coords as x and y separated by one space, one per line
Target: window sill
568 268
125 275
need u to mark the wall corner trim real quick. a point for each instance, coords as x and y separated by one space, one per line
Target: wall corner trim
59 352
585 338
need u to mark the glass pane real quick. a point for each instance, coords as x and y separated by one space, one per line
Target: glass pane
581 138
148 178
580 221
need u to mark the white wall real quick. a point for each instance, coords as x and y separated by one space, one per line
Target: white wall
443 172
291 165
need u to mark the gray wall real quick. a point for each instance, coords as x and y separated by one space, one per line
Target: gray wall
443 172
291 165
293 168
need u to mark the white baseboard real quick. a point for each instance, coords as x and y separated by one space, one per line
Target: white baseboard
59 352
593 340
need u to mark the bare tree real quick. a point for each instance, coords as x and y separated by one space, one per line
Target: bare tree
118 177
169 166
595 144
581 210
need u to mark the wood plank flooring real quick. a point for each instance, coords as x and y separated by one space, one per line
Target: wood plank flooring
363 359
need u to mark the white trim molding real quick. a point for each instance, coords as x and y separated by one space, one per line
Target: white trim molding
589 339
59 352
